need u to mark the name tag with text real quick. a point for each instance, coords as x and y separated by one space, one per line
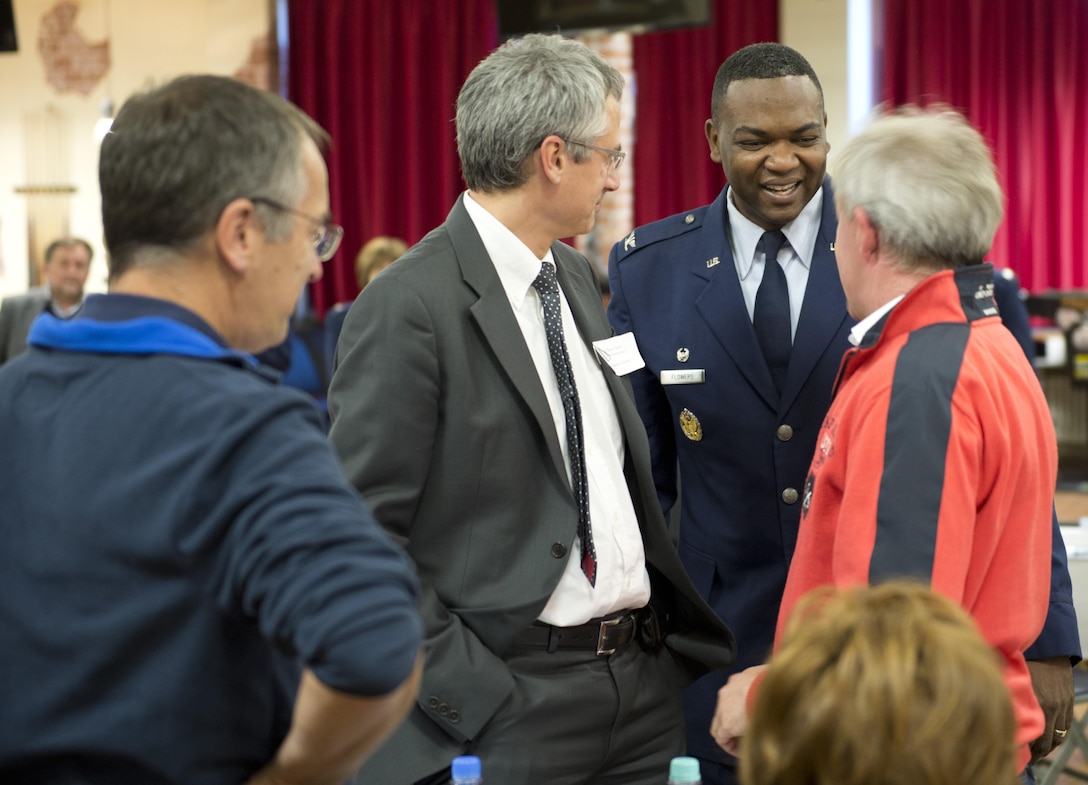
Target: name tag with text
686 376
621 353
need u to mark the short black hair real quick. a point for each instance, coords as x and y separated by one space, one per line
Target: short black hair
759 61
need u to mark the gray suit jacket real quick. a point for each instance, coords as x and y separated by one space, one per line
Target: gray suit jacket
16 315
441 422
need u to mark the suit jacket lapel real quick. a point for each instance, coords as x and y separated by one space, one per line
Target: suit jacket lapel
721 302
588 314
499 327
824 309
585 305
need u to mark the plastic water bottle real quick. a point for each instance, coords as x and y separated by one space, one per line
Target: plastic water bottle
685 771
465 770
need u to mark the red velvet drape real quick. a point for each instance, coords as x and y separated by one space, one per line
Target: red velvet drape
382 78
674 74
1019 70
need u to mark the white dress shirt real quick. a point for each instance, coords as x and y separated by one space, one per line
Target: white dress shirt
795 258
857 332
622 581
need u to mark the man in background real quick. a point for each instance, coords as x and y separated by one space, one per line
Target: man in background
740 364
177 533
67 263
937 458
470 409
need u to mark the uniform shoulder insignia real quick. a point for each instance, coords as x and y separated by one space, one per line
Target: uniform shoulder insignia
665 229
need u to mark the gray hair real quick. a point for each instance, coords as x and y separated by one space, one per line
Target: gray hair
523 92
177 155
927 181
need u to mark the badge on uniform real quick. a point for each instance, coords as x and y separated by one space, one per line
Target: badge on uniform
629 242
690 425
686 376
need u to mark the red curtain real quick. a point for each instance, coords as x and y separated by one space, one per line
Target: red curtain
1019 71
674 74
382 78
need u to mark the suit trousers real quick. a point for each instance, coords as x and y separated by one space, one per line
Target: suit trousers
576 718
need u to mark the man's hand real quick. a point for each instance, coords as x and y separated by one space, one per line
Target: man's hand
1052 679
731 716
333 732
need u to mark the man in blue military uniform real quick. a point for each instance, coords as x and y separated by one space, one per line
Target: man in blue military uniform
738 374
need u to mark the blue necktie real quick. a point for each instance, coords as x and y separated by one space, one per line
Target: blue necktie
548 288
772 312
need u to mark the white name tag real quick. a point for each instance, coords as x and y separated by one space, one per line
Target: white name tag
621 353
686 376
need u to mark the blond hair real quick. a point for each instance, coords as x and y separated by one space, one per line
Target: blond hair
888 685
376 255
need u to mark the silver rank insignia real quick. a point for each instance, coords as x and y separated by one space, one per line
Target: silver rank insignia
682 354
629 242
690 425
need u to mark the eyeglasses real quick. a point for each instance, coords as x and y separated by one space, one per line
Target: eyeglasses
615 157
327 235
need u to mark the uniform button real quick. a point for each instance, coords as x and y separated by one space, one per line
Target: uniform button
789 496
689 218
559 550
432 702
443 709
455 716
784 433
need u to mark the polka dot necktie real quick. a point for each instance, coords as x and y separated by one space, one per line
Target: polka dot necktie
548 288
771 317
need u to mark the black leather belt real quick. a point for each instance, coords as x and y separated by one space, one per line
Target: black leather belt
603 636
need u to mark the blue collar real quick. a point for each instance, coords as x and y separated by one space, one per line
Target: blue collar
128 324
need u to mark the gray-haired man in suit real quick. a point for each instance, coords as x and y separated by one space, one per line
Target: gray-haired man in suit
67 263
485 417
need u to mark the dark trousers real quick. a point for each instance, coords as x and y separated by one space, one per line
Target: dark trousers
579 719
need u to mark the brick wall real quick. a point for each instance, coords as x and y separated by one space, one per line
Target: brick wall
616 218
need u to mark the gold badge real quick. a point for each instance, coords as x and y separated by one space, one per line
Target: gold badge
689 424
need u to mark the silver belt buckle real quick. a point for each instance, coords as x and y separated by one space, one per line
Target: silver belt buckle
601 650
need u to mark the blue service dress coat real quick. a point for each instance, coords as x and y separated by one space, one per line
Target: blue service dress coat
741 448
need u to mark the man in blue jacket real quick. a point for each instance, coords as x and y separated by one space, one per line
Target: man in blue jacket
740 366
177 534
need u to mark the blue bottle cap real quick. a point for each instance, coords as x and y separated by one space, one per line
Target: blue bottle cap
466 767
684 770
